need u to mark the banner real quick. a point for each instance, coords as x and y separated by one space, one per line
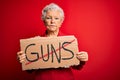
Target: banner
49 52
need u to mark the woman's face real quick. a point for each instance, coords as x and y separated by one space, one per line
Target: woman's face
53 20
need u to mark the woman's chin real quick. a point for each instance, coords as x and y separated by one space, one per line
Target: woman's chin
52 29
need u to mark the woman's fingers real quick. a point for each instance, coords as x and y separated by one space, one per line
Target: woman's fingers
21 56
82 56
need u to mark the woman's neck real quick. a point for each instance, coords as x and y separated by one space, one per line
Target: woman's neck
52 34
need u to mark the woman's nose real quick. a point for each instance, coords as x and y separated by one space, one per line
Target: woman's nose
53 20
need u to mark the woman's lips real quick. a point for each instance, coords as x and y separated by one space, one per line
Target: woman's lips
51 25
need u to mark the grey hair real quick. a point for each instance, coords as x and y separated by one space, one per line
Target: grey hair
52 6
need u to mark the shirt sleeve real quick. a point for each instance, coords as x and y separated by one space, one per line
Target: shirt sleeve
80 66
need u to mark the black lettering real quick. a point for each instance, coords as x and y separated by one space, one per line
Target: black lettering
42 53
72 54
32 53
54 51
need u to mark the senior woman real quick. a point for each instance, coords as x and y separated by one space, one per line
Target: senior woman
53 17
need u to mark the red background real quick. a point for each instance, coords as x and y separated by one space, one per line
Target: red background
96 24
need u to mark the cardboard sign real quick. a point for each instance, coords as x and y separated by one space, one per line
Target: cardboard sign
49 52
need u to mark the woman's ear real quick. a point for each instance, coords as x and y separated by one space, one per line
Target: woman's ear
62 19
44 23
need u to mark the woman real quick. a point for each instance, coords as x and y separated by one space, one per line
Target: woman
53 16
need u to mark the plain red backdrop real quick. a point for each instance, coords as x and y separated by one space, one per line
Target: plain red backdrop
95 23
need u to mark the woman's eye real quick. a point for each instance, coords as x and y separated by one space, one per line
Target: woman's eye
48 18
56 18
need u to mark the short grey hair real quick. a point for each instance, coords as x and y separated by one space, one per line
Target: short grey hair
52 6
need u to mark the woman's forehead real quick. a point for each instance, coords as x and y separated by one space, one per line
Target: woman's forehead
53 12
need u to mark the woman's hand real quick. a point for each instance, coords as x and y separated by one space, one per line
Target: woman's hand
21 56
82 56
